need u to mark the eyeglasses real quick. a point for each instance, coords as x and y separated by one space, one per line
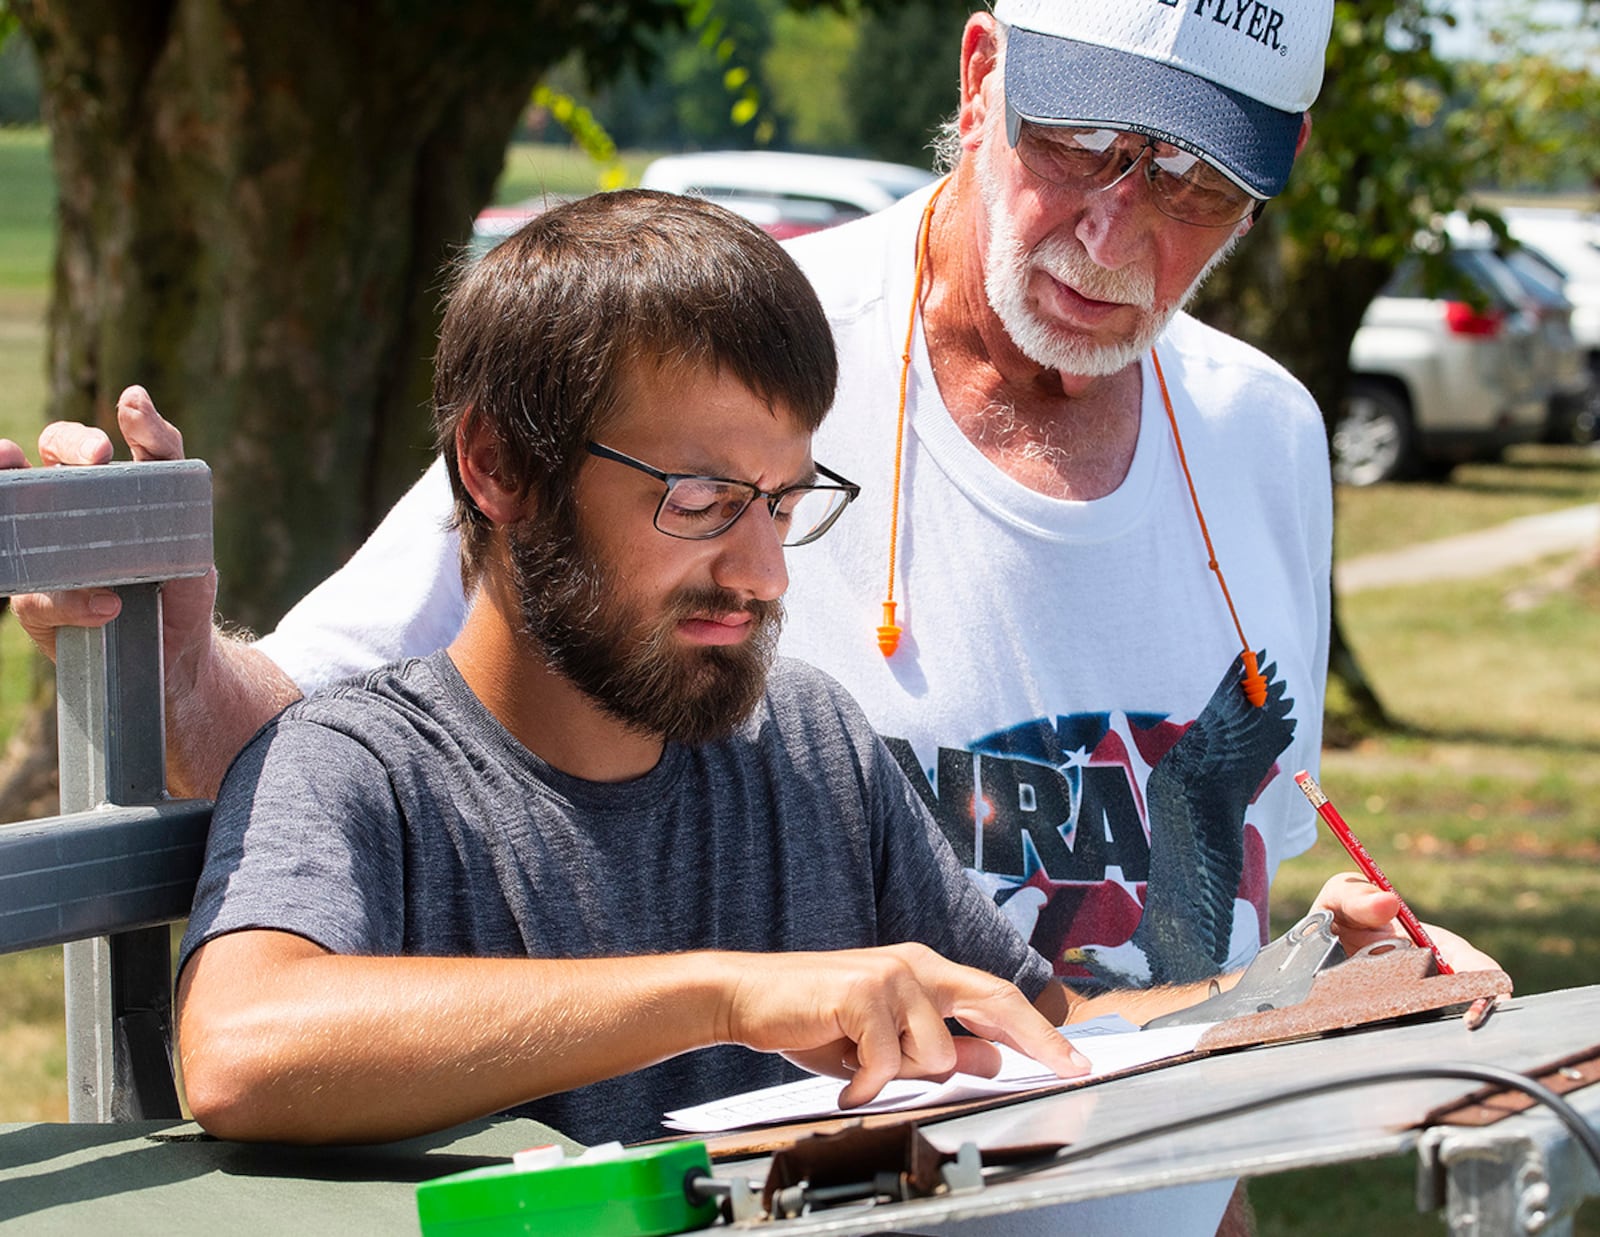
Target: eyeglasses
699 508
1183 186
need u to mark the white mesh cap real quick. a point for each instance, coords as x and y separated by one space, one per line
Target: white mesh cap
1225 79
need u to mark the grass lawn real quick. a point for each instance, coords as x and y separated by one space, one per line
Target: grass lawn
1484 804
1484 807
1530 481
532 169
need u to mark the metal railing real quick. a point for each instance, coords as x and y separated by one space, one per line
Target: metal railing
106 877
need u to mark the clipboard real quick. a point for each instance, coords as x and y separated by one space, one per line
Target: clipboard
1300 986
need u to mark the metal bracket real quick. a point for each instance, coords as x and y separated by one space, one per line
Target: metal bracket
861 1164
1279 976
1524 1174
964 1174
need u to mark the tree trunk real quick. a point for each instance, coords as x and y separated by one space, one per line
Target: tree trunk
256 201
1304 313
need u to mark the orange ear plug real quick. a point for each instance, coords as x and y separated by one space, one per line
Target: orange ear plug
1254 682
889 633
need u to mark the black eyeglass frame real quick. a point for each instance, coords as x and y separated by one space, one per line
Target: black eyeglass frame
1251 208
841 485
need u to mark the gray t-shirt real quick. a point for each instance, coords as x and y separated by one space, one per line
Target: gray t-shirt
392 814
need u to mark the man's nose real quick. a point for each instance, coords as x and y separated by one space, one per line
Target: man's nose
1114 227
750 558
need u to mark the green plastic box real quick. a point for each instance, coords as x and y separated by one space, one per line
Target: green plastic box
637 1193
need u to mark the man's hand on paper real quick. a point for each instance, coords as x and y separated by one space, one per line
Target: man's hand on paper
1363 915
872 1015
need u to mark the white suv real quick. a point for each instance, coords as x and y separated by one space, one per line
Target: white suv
1440 375
787 194
1569 241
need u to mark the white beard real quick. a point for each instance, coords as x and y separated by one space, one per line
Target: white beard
1008 266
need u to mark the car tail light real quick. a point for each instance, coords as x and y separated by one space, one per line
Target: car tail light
1463 319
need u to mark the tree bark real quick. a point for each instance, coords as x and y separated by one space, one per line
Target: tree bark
1304 313
257 201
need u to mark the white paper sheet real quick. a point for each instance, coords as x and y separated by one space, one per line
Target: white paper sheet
1112 1044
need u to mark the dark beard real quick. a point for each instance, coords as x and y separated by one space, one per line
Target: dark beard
641 675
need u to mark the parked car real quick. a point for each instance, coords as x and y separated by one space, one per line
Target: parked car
787 194
1441 374
1570 407
494 223
784 194
1567 243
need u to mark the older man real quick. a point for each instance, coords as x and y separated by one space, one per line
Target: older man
1104 527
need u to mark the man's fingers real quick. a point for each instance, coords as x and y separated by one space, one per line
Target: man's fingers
69 442
1364 915
835 1060
149 435
977 1056
1030 1033
1461 954
998 1011
42 613
11 455
878 1050
1357 903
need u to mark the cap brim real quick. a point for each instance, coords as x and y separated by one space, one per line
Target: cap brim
1062 81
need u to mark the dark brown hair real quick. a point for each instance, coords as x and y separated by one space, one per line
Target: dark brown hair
539 335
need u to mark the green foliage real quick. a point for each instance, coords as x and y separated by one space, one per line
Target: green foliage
589 135
903 78
806 88
1541 116
1379 165
872 77
714 73
1384 162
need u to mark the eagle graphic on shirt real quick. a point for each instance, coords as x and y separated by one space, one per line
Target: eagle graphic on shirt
1119 843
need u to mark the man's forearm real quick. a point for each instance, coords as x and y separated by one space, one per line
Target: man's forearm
330 1048
216 700
283 1041
1142 1004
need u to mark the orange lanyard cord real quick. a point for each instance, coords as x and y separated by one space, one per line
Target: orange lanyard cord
1254 683
889 632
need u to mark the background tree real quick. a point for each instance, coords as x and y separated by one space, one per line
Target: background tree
255 205
1383 166
1538 98
902 80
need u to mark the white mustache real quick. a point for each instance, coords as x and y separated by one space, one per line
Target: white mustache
1066 261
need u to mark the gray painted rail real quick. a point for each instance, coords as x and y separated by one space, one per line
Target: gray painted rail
107 876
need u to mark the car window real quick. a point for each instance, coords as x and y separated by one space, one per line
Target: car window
1490 272
1455 280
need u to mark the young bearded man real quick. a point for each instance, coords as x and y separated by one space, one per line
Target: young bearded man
594 835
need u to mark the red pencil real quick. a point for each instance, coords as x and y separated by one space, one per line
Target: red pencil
1368 865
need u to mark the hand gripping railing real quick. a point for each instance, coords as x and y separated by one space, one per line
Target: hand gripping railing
107 876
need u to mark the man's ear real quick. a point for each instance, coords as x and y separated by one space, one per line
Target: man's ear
1305 134
495 494
980 57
